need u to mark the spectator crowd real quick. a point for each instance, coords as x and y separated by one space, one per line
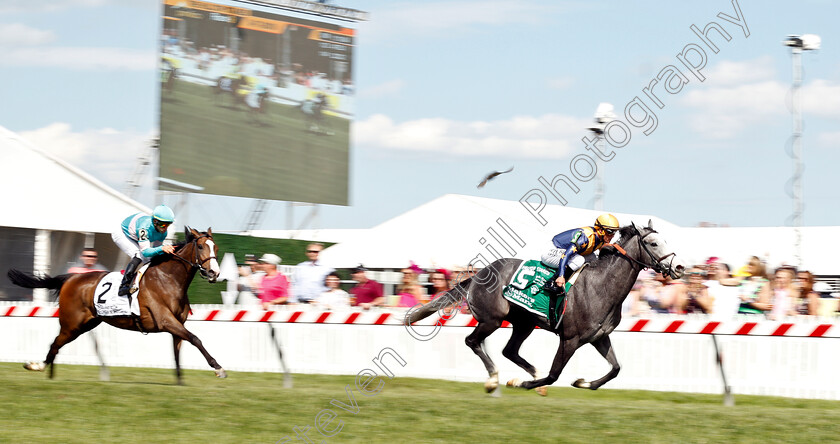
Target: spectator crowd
713 288
313 283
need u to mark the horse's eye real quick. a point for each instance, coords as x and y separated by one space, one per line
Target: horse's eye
654 244
201 247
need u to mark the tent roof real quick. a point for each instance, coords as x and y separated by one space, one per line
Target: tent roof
43 192
453 229
774 245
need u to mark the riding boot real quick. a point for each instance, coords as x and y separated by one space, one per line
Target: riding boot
553 292
128 277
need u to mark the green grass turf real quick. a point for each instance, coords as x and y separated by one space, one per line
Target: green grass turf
143 405
207 141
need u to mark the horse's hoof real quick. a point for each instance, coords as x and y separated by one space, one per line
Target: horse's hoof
492 383
221 373
542 390
35 366
581 384
515 382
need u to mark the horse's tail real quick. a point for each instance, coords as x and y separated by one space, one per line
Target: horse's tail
27 280
454 296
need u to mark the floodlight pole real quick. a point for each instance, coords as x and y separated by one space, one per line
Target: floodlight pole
603 115
796 109
598 200
797 44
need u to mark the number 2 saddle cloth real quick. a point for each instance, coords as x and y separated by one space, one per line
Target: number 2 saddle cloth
107 302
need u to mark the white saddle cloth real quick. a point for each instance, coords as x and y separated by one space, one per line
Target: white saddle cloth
107 302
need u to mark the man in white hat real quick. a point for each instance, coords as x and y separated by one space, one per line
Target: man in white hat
274 288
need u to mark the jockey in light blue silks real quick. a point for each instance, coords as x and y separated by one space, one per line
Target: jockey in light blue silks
141 237
572 246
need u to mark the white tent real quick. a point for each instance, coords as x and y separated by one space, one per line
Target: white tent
774 245
453 230
43 192
51 210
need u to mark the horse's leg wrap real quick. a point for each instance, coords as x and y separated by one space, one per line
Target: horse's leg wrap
128 277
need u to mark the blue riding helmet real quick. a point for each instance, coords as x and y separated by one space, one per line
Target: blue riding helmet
162 213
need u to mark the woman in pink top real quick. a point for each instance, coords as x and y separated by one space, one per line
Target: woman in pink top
410 292
274 288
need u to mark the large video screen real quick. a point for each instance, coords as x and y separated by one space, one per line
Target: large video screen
254 104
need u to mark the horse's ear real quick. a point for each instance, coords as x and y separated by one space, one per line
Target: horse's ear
650 223
187 233
210 231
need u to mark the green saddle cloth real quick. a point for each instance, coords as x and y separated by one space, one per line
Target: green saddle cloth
525 288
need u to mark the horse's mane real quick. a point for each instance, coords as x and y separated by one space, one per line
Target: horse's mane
626 233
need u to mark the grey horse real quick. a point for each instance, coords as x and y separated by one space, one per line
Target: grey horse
593 306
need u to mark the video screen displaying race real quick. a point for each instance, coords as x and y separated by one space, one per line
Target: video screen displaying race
254 104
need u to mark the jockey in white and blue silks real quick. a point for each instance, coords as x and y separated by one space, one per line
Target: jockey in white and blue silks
572 246
141 237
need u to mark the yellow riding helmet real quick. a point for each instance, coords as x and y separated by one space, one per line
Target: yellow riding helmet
607 221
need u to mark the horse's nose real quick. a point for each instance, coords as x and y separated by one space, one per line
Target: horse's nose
679 271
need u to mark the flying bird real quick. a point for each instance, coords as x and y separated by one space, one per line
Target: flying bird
492 176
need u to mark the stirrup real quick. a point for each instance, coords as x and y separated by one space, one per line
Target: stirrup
125 288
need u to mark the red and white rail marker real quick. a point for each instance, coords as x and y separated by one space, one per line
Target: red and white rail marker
800 328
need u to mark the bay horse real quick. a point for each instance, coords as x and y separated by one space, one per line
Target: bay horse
593 306
162 297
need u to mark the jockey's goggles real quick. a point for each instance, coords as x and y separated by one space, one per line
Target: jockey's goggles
609 231
160 223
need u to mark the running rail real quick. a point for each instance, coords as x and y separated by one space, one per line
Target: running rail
789 327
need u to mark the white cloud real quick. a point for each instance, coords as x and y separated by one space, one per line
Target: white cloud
107 154
725 111
18 34
389 88
24 45
560 82
739 95
550 136
81 58
727 73
29 6
448 18
829 140
821 98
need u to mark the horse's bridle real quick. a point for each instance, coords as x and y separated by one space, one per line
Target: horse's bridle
657 265
195 263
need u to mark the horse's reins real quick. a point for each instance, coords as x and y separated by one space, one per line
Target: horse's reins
196 263
657 265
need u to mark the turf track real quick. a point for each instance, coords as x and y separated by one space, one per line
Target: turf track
142 405
208 141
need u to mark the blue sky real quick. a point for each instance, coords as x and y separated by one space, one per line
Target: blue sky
449 91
